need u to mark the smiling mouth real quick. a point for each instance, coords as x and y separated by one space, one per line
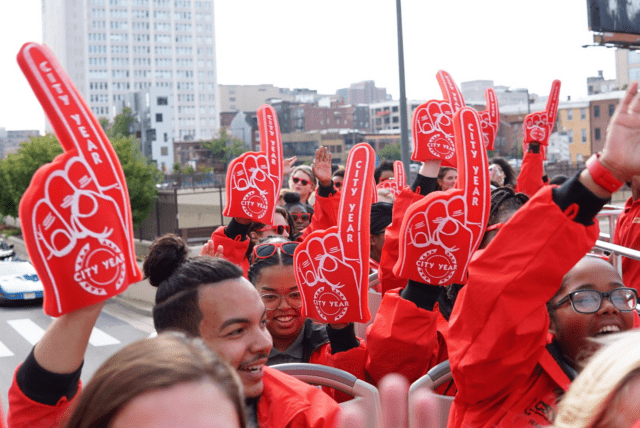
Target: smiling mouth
608 329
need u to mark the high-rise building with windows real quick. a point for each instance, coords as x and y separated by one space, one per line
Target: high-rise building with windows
111 48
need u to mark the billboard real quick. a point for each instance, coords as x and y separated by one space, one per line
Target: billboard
614 16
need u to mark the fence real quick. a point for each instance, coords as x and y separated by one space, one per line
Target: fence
192 213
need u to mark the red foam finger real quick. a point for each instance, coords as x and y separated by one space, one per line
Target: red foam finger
553 101
432 129
538 126
440 232
254 179
340 254
490 119
75 215
271 143
399 175
450 90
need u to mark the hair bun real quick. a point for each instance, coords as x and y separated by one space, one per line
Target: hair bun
166 254
291 198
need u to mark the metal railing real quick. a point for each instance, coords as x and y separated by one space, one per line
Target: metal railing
610 213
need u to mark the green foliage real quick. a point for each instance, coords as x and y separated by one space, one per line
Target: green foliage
176 168
17 170
120 127
141 176
225 148
391 152
104 122
188 169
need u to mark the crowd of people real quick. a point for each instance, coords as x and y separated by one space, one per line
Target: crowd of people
523 334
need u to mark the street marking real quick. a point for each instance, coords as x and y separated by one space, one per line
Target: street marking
31 331
100 338
4 351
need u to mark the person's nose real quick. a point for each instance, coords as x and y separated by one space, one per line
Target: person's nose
607 306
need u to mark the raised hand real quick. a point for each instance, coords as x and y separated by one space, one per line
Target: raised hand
287 165
397 183
442 230
322 166
538 125
254 179
332 266
490 119
75 215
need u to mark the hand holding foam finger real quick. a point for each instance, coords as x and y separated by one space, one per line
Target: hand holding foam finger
441 231
490 119
332 265
539 125
75 215
254 179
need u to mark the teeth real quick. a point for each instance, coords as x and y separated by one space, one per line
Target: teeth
252 369
284 319
609 329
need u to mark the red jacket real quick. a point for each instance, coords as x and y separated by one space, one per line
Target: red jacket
531 172
498 329
287 402
325 213
26 413
234 250
627 233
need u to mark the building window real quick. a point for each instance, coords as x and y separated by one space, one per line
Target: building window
597 134
163 101
612 108
584 135
166 137
164 151
583 113
570 135
596 111
158 117
569 114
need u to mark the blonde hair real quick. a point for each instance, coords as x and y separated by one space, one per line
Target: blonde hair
307 170
601 382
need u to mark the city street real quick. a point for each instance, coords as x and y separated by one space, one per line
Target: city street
22 327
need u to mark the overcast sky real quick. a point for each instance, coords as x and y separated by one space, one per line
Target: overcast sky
327 45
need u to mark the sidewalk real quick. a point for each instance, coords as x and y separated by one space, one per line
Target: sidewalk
139 297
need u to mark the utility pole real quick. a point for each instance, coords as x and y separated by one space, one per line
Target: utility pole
404 131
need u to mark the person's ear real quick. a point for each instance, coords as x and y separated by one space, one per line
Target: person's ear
253 236
553 325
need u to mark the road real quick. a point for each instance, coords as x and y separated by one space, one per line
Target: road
21 328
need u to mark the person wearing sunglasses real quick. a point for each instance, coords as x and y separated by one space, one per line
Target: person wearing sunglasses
296 338
303 182
338 178
299 213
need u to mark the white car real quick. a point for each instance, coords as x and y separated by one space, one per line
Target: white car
19 281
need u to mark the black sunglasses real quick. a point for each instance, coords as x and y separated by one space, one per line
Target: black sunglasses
296 180
279 229
337 184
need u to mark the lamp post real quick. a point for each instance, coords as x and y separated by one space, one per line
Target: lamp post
404 132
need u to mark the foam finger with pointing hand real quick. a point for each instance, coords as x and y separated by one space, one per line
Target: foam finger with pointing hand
490 119
76 214
397 183
539 125
254 179
441 231
332 266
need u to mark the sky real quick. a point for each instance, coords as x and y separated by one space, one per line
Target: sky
327 45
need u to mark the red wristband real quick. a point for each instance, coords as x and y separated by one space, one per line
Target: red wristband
601 175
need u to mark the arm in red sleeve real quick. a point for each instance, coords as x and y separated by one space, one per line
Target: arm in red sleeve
531 172
325 212
234 247
498 328
403 339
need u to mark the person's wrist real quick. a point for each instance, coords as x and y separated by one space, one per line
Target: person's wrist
613 167
326 183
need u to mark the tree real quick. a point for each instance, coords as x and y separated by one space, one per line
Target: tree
16 172
391 152
121 123
225 148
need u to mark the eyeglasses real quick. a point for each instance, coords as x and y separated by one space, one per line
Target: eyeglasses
279 229
296 216
337 184
589 301
272 301
264 251
297 180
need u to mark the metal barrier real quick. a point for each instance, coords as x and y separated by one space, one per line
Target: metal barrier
611 213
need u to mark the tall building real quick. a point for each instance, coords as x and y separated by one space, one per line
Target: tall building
111 48
364 92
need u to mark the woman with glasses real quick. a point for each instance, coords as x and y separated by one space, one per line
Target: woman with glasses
299 214
303 182
522 327
296 338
